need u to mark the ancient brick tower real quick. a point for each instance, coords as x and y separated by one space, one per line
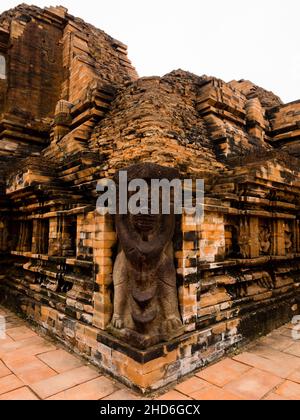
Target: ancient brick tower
73 111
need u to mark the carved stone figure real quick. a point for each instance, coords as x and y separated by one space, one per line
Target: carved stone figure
264 240
288 244
244 238
145 293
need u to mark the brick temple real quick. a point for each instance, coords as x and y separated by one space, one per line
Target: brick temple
73 110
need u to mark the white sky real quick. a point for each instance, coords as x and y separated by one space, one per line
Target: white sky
230 39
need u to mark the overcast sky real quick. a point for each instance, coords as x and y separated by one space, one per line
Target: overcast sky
230 39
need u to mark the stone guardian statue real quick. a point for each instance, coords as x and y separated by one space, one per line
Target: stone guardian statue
146 308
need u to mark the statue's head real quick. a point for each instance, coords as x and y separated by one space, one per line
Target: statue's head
146 221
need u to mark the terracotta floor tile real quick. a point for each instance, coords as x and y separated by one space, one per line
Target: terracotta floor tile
214 393
275 355
173 395
9 383
92 390
289 389
5 340
254 384
277 341
63 381
30 369
30 350
4 371
295 376
283 370
20 394
191 385
60 360
20 333
294 349
279 357
123 394
223 372
286 332
11 345
275 397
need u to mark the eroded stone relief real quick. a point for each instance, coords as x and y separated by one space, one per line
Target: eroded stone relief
145 292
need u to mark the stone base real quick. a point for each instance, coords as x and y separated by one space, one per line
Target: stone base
160 365
142 341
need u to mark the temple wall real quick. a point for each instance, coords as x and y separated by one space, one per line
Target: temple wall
33 76
225 297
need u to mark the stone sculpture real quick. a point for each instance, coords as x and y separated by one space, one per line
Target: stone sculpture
145 293
264 240
288 244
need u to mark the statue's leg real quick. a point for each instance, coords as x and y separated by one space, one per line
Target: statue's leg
120 291
168 297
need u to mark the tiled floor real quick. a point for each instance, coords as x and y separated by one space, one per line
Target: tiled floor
31 367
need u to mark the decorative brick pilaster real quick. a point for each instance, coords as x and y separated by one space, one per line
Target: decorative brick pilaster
103 242
253 234
187 271
278 244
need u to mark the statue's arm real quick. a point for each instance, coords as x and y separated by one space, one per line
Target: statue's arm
129 240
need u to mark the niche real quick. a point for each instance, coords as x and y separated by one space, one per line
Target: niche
232 248
24 236
42 236
265 237
69 236
2 67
